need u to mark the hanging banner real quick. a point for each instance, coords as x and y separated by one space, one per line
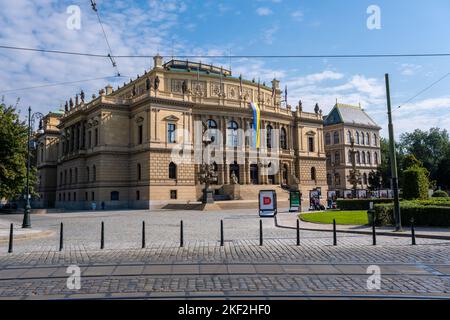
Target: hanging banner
256 125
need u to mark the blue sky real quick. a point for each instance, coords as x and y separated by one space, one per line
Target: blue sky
259 27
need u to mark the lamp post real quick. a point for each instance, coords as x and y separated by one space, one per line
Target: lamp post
207 172
26 214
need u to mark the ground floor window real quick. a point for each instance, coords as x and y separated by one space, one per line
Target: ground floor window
234 169
173 194
138 195
115 196
254 175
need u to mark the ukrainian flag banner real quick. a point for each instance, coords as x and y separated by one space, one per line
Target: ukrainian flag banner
256 125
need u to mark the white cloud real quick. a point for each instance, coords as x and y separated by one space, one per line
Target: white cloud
268 34
263 11
409 69
297 15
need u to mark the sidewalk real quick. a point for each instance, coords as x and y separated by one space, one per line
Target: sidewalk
21 234
285 220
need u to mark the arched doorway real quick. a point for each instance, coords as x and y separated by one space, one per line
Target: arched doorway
234 168
254 174
285 174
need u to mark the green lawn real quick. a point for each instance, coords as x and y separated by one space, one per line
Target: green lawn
342 217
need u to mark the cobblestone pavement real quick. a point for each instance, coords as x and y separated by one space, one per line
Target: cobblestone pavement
202 268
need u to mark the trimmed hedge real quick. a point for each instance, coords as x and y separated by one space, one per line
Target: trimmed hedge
440 194
430 215
359 204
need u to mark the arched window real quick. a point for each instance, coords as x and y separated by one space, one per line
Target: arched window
357 138
212 130
337 179
283 140
70 176
363 138
358 157
363 155
139 172
269 136
349 137
327 139
87 174
329 181
375 157
234 169
375 139
94 173
172 171
349 156
114 195
313 173
76 175
336 137
368 138
369 158
337 157
232 134
365 178
328 159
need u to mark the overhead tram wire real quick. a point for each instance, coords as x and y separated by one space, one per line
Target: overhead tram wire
110 54
59 84
399 55
424 90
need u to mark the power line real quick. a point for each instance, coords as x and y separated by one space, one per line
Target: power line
58 84
399 55
424 90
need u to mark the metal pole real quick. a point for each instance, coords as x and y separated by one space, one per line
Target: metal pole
393 159
413 233
143 234
334 233
61 237
102 236
10 246
298 232
181 234
26 214
260 233
374 235
221 233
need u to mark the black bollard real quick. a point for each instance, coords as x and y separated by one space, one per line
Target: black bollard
260 233
374 235
413 233
334 233
10 246
143 234
102 236
221 233
61 237
298 232
181 234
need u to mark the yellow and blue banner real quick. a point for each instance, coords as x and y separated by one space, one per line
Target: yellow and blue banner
256 125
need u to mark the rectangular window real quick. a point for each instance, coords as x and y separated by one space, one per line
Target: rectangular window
138 195
74 196
171 133
173 194
92 196
140 134
86 196
90 139
96 137
310 144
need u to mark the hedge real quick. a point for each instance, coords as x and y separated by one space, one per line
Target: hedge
440 194
359 204
424 215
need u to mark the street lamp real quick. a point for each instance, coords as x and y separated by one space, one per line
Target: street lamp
207 172
31 119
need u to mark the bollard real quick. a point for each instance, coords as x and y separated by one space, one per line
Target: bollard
61 237
298 232
10 246
102 236
413 233
374 235
221 233
181 234
260 233
143 234
334 233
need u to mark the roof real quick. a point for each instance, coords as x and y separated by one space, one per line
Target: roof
348 114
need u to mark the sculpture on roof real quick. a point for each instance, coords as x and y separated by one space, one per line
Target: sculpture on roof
147 84
300 105
82 96
76 99
134 90
66 106
70 103
156 83
316 108
184 87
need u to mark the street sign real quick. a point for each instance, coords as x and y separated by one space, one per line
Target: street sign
267 203
294 201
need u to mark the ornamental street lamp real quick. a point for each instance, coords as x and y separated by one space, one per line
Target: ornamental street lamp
354 177
207 171
31 120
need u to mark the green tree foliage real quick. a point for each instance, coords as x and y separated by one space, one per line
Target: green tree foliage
415 183
375 180
13 153
432 148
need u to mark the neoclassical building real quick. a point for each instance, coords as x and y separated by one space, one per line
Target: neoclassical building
138 146
343 123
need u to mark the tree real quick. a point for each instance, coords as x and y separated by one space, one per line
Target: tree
13 154
416 184
385 165
444 172
375 180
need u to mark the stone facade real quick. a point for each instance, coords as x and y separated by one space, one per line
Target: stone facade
118 148
343 123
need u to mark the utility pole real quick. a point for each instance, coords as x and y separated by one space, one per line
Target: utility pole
26 213
393 159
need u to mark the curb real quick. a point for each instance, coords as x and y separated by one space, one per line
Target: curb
380 233
34 235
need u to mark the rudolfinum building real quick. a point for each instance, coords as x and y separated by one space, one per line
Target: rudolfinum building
140 145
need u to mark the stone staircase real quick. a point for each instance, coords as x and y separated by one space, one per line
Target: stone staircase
251 192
